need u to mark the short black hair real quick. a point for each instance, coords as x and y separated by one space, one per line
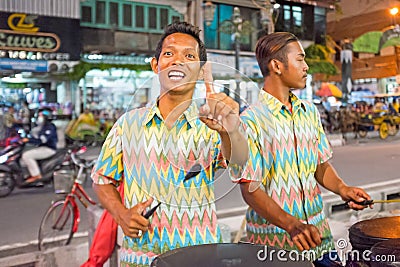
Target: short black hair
187 28
273 46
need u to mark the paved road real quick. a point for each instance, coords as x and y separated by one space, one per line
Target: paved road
359 162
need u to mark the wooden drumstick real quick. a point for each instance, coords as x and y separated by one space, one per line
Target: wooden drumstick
371 201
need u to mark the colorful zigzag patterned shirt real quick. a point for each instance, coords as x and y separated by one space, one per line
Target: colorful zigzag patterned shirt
152 160
285 148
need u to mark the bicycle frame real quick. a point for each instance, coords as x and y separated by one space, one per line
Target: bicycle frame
76 192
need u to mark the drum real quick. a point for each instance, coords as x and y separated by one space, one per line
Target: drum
365 234
386 253
227 254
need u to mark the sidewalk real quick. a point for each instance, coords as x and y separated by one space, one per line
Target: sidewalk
231 222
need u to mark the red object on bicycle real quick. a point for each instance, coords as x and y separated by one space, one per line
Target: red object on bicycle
105 238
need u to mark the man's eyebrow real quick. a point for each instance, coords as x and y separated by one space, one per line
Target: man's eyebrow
185 49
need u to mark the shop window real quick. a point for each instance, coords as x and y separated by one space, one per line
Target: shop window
113 14
127 20
163 17
218 34
140 16
305 21
152 18
176 18
86 14
127 15
320 25
101 12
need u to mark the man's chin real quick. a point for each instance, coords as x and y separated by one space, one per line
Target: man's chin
179 90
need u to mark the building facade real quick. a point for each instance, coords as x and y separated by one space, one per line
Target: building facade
377 71
39 42
109 35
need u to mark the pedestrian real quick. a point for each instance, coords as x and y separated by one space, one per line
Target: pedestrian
10 122
288 159
25 116
150 149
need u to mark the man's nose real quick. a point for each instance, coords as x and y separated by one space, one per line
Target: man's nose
179 60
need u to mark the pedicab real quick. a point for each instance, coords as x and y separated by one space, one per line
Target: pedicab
90 135
382 119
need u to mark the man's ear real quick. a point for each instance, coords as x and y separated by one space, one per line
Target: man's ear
154 65
276 66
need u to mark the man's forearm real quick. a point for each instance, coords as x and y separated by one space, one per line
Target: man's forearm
110 199
235 147
327 176
266 207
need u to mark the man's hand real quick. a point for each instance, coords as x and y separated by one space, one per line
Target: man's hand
220 113
304 236
350 194
132 221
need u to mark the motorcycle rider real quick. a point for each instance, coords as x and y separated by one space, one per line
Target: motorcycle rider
46 141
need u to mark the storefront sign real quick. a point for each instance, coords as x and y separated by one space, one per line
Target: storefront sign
23 65
33 37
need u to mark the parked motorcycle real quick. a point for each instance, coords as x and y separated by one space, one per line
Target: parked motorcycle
13 174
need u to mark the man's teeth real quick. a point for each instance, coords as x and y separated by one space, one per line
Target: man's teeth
176 75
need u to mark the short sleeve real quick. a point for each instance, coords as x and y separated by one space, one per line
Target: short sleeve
109 166
324 148
252 171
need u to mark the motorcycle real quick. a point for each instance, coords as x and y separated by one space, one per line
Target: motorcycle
13 174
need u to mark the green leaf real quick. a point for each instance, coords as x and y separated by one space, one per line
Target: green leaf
318 59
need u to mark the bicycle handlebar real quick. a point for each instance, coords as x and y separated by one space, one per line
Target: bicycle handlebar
81 162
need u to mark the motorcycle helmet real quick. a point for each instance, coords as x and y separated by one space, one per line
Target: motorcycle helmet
46 113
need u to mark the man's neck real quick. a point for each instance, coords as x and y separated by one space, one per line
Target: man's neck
278 91
171 108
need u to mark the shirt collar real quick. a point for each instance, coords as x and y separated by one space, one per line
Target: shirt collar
191 114
276 106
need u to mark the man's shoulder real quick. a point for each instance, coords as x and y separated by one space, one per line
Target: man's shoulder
255 110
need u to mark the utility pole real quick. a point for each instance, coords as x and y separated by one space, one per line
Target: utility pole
346 58
237 23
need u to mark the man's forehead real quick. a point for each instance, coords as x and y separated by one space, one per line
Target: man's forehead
181 39
295 48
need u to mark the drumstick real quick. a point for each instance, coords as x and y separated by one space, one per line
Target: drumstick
371 201
196 169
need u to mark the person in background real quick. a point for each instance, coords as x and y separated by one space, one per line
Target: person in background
394 106
10 122
46 142
288 159
380 107
25 116
149 150
86 121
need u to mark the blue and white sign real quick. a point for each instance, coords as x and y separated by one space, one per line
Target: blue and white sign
25 65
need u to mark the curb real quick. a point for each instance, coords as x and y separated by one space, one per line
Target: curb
72 255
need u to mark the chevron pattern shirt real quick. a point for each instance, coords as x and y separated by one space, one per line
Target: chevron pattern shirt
285 148
152 160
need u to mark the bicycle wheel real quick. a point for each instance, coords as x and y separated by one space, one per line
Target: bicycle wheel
56 226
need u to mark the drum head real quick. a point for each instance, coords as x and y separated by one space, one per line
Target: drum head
221 255
364 234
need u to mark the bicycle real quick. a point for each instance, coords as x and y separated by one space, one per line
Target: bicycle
61 219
